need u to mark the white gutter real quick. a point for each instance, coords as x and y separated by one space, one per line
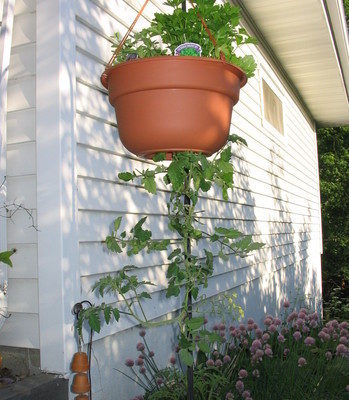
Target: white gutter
338 24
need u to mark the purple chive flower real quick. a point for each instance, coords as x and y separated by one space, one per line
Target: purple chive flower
272 328
328 355
297 335
129 362
139 361
343 340
232 346
259 333
173 360
218 363
301 315
221 327
226 359
342 350
215 354
259 354
210 363
268 352
159 381
151 353
239 386
301 362
309 341
140 346
256 373
344 325
230 396
281 338
286 303
246 394
243 374
142 332
265 337
142 370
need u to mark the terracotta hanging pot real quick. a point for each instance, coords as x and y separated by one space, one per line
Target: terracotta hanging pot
82 397
80 384
80 362
172 104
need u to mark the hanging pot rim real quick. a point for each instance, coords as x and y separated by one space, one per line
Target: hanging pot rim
235 69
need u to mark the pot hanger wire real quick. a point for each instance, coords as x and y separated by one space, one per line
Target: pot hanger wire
140 12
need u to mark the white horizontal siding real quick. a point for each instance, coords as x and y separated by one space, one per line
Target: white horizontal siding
276 195
22 330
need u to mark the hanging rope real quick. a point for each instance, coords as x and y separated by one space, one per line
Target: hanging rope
140 12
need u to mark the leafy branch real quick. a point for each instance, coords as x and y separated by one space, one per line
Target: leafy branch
167 31
188 174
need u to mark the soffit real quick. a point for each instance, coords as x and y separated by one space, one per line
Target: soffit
300 34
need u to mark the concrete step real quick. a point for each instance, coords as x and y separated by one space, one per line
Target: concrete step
37 387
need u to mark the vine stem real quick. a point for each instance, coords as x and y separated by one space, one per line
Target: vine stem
189 300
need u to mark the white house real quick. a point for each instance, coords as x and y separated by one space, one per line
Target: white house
63 155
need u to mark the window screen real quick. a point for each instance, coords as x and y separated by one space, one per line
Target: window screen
272 108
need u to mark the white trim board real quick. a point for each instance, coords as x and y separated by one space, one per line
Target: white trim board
59 286
5 54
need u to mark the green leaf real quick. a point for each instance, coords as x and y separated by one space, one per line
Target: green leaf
107 314
201 358
203 346
229 233
176 175
5 257
186 357
226 154
159 157
125 176
195 293
116 314
244 243
172 290
174 253
205 186
255 246
94 320
235 138
139 232
149 184
117 223
112 244
195 323
172 270
145 295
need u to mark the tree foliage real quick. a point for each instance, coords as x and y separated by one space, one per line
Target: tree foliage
333 146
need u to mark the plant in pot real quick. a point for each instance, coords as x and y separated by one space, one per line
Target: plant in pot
177 109
167 103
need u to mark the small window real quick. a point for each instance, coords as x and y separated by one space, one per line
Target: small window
273 112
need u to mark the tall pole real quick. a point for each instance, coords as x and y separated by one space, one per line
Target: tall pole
190 370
